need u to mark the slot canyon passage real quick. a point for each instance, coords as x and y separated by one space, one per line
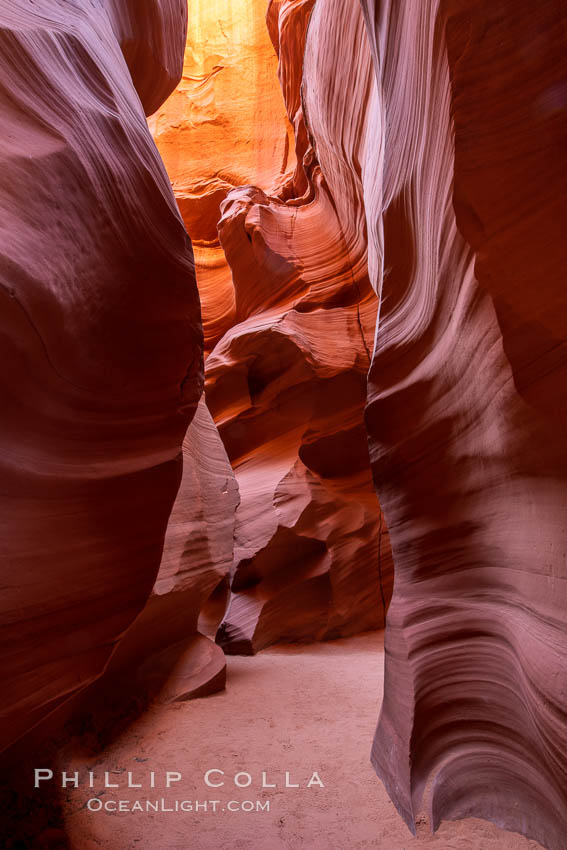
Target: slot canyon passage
283 338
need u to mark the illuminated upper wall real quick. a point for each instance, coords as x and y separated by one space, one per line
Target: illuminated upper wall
225 125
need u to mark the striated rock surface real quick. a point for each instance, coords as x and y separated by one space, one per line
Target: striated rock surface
100 337
289 316
286 386
151 35
416 159
224 126
192 583
450 120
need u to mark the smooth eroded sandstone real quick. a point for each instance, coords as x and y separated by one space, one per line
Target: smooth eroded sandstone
456 145
289 316
100 338
287 387
191 587
224 126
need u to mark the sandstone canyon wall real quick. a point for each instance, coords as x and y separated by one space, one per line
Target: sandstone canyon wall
289 317
399 211
164 652
100 334
450 119
224 126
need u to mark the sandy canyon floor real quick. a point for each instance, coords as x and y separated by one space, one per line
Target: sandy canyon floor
295 709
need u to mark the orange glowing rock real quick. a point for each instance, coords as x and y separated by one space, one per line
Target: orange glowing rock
224 126
289 319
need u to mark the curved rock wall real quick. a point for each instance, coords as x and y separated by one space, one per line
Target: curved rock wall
286 377
417 157
287 388
100 334
456 147
151 35
164 650
224 126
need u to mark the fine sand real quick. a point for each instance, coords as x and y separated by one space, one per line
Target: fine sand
295 709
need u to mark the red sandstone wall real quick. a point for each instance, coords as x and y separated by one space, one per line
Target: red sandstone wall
289 321
429 181
100 337
456 147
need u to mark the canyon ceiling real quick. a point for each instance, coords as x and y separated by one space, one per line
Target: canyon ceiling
372 296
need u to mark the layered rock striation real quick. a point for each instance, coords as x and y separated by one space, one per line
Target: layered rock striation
290 332
100 337
168 650
225 126
386 237
286 386
454 137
